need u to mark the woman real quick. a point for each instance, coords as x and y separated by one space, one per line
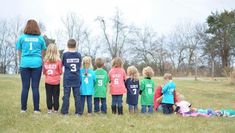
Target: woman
31 47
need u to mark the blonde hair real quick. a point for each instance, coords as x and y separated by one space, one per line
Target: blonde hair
52 53
167 76
117 62
132 72
148 72
87 61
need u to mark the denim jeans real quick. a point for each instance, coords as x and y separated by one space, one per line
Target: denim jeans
133 107
97 105
30 76
77 99
167 108
89 103
117 100
144 108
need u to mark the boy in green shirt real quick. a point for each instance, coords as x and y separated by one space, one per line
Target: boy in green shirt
147 90
100 87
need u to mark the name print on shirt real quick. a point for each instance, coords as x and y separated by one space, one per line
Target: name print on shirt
149 87
31 39
73 60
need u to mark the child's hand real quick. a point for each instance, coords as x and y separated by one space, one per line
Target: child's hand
159 100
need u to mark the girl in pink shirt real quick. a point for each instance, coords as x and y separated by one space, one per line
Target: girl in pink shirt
52 69
117 76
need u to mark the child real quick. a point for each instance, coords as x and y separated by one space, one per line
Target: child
52 69
72 63
158 99
88 81
147 90
117 78
168 94
100 87
132 86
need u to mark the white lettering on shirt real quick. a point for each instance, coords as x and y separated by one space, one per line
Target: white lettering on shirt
74 60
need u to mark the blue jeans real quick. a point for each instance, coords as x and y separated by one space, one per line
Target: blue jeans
167 108
97 105
89 102
144 108
77 99
28 75
117 100
133 107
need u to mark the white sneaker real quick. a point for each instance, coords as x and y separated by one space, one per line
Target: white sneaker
37 111
55 111
49 111
23 111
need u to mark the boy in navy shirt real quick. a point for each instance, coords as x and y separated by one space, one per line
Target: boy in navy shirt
133 87
72 62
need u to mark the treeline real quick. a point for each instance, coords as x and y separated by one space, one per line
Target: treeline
206 49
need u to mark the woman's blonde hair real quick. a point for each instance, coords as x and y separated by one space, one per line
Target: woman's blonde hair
133 73
87 61
117 62
148 72
52 53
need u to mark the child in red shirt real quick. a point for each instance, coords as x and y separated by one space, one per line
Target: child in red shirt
117 76
52 69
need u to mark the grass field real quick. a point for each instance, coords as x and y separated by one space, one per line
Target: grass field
205 93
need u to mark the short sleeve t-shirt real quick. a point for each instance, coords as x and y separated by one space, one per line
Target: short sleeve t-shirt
102 80
88 80
72 63
117 77
31 47
168 92
133 88
52 72
147 88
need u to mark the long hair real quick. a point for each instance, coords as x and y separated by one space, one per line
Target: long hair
52 53
117 62
32 28
87 62
133 73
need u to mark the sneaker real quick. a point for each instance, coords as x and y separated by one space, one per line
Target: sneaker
55 111
89 114
37 111
23 111
49 111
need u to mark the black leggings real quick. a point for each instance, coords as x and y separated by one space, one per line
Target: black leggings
52 95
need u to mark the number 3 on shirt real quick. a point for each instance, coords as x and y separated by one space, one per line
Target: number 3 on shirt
73 67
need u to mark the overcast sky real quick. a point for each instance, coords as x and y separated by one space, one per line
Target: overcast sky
162 15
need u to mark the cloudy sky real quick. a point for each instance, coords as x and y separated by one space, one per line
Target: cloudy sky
162 15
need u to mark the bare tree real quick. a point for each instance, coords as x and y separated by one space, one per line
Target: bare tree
117 37
7 47
16 30
75 28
